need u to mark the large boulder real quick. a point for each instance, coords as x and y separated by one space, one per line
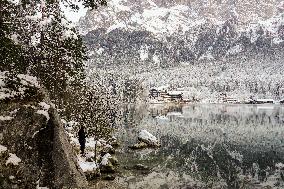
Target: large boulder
148 138
145 140
35 151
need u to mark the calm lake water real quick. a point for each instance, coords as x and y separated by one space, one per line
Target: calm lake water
203 146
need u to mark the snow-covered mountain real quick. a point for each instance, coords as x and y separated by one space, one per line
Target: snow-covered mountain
168 17
191 36
184 30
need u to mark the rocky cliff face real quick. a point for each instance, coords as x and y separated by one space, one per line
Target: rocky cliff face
34 149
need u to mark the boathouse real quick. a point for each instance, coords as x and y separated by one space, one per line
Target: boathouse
173 96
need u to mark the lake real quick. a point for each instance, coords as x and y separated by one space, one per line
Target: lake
203 146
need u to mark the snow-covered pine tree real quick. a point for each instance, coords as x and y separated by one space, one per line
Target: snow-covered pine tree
94 3
10 55
38 40
52 51
94 108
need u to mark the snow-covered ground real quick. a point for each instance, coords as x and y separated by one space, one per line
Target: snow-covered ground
92 160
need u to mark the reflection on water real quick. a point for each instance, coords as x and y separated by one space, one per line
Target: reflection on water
205 146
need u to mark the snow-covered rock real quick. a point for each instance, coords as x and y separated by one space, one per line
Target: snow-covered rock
148 138
14 1
2 148
279 165
43 112
87 166
28 80
105 159
5 118
22 94
45 107
13 159
106 165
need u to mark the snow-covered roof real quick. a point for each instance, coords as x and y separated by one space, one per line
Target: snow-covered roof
231 98
175 92
264 100
174 114
180 89
162 117
162 87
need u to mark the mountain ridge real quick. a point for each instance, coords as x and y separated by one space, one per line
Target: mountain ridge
146 15
205 37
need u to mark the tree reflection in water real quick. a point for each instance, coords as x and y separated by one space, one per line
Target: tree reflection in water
219 146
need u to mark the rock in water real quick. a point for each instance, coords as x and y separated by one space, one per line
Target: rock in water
141 167
139 145
148 138
106 166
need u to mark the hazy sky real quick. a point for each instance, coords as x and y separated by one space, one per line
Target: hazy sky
74 16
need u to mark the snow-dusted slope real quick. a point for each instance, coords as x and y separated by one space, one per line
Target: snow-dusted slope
167 17
189 30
